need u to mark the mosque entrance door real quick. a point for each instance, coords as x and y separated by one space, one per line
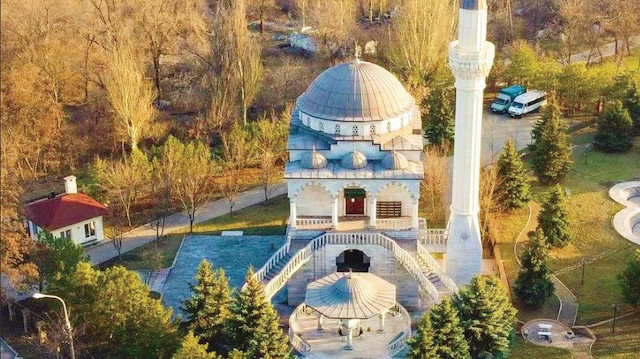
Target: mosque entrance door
354 198
353 260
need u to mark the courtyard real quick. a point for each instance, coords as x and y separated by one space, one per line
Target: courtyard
234 254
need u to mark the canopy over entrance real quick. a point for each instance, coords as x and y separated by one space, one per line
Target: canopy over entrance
351 295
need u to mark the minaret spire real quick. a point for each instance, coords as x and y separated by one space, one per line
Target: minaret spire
470 58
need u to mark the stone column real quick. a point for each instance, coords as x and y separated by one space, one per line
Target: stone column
373 215
382 317
334 212
320 321
25 319
349 339
292 213
470 58
11 310
415 222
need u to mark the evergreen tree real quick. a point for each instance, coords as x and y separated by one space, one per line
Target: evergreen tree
551 149
448 335
208 309
192 349
486 315
421 345
614 129
61 258
254 323
553 219
626 88
533 285
439 129
513 183
630 280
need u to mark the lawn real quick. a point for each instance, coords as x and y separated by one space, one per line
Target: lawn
623 344
525 350
590 212
509 226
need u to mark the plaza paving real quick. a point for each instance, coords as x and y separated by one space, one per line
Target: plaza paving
234 254
329 344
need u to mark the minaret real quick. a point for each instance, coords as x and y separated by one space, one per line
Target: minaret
470 58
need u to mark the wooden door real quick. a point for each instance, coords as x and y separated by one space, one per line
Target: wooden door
355 205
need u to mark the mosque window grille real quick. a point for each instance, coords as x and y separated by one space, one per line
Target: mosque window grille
337 129
355 130
321 126
389 126
308 121
372 130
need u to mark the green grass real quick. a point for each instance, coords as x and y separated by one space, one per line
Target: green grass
590 211
140 258
525 350
270 218
623 344
509 226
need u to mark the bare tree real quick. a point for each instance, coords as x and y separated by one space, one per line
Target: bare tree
123 181
420 35
271 149
237 153
622 21
130 95
335 21
434 186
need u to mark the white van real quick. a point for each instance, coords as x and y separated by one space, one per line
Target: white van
527 102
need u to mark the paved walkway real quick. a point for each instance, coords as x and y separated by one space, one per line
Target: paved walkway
568 302
146 234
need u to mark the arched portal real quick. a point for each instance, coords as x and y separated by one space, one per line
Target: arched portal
354 260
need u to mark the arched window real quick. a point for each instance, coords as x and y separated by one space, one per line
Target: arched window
308 121
355 130
389 126
372 130
337 129
321 126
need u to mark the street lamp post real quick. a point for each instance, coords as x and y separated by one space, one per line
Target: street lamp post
66 319
616 307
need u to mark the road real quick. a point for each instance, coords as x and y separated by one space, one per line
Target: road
179 221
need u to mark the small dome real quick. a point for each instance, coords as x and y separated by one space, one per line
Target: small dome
313 160
395 161
355 91
354 160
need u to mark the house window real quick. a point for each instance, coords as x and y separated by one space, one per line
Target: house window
389 126
355 130
90 229
321 126
372 130
65 234
337 129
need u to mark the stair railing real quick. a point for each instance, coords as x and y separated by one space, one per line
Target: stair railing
297 342
304 255
275 257
434 267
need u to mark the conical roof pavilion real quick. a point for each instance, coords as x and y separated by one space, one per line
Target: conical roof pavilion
349 295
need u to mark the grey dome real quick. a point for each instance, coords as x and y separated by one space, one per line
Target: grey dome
354 160
355 91
313 160
395 161
350 295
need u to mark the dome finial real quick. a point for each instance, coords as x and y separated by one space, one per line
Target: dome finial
357 52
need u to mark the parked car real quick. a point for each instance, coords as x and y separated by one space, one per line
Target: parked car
505 97
527 102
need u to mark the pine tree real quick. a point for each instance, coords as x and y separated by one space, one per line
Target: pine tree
192 349
551 149
421 345
513 183
533 285
254 323
614 129
448 335
439 129
487 316
208 309
630 280
553 219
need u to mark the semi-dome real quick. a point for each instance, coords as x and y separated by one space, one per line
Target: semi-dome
313 160
395 161
354 160
355 91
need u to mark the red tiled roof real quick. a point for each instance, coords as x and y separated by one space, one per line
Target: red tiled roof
64 210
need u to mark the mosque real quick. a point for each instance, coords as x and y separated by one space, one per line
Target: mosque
357 256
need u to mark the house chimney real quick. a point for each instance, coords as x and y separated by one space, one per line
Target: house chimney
70 185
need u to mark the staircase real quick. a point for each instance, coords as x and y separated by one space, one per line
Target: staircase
295 246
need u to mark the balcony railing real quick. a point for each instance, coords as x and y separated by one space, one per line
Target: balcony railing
434 240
